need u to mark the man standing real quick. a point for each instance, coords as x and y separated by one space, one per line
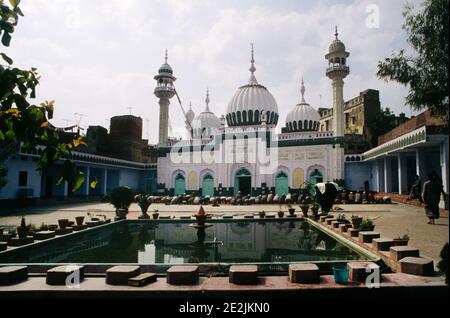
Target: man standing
431 196
415 190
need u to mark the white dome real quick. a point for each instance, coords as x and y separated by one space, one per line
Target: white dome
303 117
247 104
205 122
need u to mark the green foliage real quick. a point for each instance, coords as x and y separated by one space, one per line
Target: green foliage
43 227
366 224
403 238
425 73
22 121
340 217
443 263
121 197
384 121
144 201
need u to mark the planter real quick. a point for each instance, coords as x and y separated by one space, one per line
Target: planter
121 213
52 227
155 215
367 229
63 223
22 231
305 209
262 214
291 211
280 214
356 221
79 220
400 242
315 212
340 274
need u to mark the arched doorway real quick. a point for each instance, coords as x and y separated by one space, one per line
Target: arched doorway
180 184
315 177
281 183
243 182
208 185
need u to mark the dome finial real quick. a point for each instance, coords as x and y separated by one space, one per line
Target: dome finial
302 91
336 32
165 58
252 69
207 100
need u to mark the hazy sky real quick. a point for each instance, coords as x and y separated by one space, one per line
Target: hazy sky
98 58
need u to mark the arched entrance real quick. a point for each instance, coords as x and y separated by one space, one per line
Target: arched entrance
208 185
180 184
281 183
315 177
243 182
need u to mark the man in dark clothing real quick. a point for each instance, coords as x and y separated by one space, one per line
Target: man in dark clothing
432 190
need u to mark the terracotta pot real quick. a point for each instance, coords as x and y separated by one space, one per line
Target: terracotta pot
280 214
155 216
52 227
79 220
22 231
262 214
63 223
121 213
291 211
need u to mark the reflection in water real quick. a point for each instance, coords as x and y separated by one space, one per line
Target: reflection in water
153 243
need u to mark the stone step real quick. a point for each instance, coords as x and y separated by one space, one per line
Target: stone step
335 224
79 227
399 252
142 279
382 244
324 217
329 220
64 231
58 275
182 275
243 274
44 235
358 271
304 273
20 241
416 266
368 236
353 232
119 275
344 227
10 275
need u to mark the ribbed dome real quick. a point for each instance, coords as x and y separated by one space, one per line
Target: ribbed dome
249 102
303 117
165 68
336 46
205 122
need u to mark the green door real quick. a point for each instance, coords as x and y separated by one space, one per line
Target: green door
243 182
180 184
316 177
208 185
281 184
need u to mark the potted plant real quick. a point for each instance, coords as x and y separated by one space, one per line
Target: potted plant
356 221
43 227
315 208
144 202
63 223
155 214
79 220
401 240
291 210
121 198
280 214
367 225
23 229
262 214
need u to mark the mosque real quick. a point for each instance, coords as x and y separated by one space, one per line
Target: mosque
241 150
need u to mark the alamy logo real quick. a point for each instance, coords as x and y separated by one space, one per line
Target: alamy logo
373 278
74 278
373 17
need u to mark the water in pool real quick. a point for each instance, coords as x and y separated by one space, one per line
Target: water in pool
177 242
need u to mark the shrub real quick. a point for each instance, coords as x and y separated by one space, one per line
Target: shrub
121 197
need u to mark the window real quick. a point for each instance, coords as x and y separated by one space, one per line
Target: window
23 178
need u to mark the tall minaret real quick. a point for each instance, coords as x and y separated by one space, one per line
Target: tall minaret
337 70
190 115
164 91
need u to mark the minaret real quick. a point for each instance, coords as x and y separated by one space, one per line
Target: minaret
190 115
337 70
164 91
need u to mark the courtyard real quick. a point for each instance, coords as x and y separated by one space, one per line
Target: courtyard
391 220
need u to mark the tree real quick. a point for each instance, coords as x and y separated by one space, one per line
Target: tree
22 121
426 74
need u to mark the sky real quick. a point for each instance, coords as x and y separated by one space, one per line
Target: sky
98 58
